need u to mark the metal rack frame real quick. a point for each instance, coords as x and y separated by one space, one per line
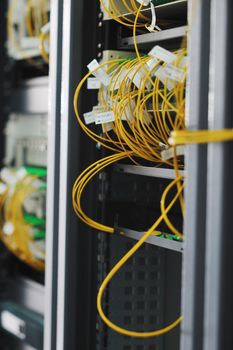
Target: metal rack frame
52 227
161 173
196 166
164 36
65 298
218 320
156 241
206 256
68 307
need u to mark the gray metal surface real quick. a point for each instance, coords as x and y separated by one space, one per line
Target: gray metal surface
32 96
135 297
195 193
156 241
27 293
67 310
161 173
65 114
157 37
53 177
219 258
27 347
23 347
172 10
75 323
26 139
175 10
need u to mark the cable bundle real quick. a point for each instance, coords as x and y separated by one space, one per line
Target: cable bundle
125 12
118 10
22 220
141 106
140 102
28 29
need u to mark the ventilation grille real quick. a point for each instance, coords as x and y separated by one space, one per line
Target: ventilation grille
134 299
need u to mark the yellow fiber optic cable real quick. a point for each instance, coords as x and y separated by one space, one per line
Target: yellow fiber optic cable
81 183
119 265
115 14
183 137
43 38
146 110
12 209
141 133
36 17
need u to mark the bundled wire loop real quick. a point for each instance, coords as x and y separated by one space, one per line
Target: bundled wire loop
28 33
141 101
22 222
118 13
124 12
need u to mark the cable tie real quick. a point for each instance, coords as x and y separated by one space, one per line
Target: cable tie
153 25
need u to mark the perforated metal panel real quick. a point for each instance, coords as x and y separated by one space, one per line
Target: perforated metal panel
135 298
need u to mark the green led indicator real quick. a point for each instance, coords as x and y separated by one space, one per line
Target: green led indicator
40 172
33 220
39 235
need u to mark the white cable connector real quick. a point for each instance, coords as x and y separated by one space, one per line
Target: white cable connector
93 84
162 54
37 249
3 188
169 153
46 28
8 228
21 173
105 117
9 177
99 72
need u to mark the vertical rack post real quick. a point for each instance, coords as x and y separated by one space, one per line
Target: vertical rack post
53 176
219 258
76 250
67 265
196 166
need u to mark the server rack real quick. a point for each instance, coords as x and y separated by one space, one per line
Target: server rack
24 91
79 247
74 252
196 277
196 165
211 251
